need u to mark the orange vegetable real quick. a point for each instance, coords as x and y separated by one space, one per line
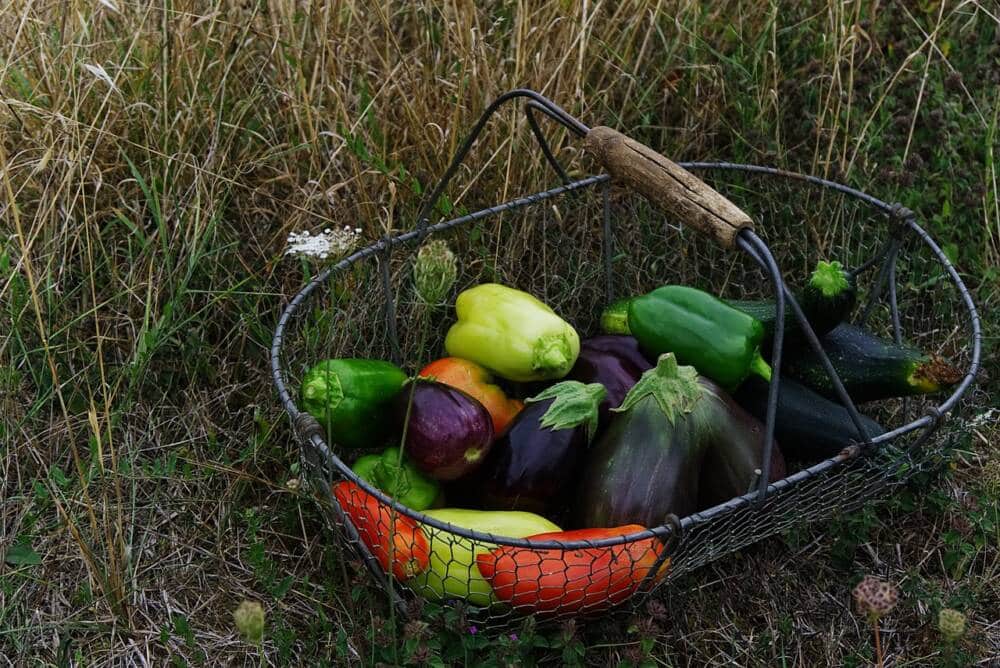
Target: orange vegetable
376 522
477 382
571 580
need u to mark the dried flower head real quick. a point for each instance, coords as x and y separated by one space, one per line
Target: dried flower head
875 598
951 623
434 272
249 618
421 655
657 609
414 628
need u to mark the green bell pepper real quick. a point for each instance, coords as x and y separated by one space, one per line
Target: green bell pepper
398 478
512 334
351 398
721 342
452 571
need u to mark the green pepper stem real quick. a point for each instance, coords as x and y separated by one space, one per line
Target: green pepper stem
551 354
760 367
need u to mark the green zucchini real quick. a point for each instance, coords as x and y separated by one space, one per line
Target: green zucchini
808 426
870 368
827 300
614 319
829 296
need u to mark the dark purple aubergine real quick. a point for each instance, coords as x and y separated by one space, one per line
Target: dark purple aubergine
613 361
731 467
449 433
675 433
534 465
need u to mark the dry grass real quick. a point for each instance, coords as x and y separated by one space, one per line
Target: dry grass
154 157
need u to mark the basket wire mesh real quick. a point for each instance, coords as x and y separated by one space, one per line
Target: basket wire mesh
576 247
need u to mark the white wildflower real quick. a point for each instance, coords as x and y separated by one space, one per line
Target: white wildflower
329 242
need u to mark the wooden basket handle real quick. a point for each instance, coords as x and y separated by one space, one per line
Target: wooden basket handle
668 185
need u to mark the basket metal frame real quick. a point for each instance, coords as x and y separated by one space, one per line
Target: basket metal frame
318 456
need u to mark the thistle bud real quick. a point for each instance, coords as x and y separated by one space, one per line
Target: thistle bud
249 618
434 272
875 598
951 623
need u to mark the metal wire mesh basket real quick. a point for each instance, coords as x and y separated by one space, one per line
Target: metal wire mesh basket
577 246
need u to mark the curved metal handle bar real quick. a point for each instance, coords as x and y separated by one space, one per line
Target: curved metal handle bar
663 531
757 249
413 236
889 261
529 109
892 210
552 109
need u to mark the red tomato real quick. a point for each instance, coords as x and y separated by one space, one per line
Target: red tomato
376 522
571 580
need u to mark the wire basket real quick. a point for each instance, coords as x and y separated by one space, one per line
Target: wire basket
578 246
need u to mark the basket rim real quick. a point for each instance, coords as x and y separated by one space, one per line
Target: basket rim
928 421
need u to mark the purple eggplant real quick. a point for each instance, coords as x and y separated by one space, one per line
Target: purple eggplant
448 434
613 361
674 430
733 463
534 464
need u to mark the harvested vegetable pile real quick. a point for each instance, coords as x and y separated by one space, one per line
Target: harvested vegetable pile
525 431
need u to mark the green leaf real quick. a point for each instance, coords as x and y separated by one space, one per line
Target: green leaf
573 404
22 555
951 252
674 388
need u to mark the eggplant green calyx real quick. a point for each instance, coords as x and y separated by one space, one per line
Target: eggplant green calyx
829 278
573 404
675 388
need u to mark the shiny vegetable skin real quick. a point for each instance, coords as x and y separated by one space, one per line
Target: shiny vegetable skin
351 399
735 455
613 361
477 382
386 533
452 570
722 343
646 463
827 300
399 478
512 334
809 426
448 434
580 580
534 465
870 367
